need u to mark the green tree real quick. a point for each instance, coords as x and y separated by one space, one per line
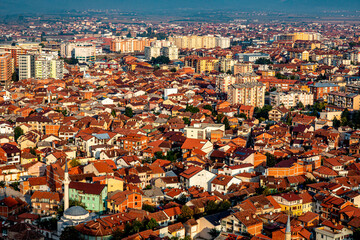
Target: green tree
129 112
186 120
136 226
151 224
356 234
74 162
33 151
15 186
70 233
211 207
300 105
186 213
49 224
15 76
117 235
160 60
72 202
336 123
17 133
224 205
227 124
192 109
113 113
270 160
173 70
148 208
242 115
2 184
263 61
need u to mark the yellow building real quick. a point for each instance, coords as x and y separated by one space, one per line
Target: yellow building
290 203
201 64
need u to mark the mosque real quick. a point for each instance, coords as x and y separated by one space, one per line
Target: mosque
74 215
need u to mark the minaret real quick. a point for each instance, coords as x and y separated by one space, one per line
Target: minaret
288 229
66 183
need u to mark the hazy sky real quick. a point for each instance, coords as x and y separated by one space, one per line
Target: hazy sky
41 6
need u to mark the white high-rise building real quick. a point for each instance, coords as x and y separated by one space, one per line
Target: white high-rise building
291 99
151 52
222 42
82 51
26 66
172 52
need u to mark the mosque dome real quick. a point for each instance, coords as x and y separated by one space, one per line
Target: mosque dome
76 212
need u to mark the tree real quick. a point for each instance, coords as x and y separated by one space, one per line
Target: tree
129 112
74 162
229 72
113 113
151 224
72 203
33 151
300 105
227 124
148 208
186 120
17 133
49 224
192 109
242 115
224 205
136 226
160 60
336 123
270 160
70 233
173 70
117 235
2 184
15 76
208 107
15 186
211 207
263 61
186 213
356 234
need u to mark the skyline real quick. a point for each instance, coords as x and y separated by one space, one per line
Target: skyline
8 7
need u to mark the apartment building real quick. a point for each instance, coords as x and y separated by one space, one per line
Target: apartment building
6 68
223 82
201 64
322 89
49 66
250 94
240 68
26 66
194 41
129 45
151 52
344 100
304 36
172 52
291 99
225 65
